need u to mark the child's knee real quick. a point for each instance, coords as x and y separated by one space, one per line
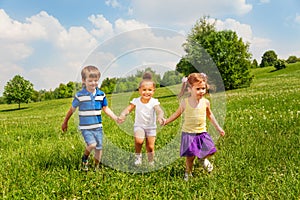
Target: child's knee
150 148
91 146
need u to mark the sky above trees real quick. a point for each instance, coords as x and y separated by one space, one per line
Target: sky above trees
47 42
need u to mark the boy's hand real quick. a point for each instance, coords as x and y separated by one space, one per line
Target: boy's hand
121 119
64 127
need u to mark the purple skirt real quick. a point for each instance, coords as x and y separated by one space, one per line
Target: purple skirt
200 145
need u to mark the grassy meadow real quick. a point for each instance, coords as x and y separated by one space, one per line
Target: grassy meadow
257 159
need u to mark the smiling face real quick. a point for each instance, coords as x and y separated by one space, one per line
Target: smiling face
198 89
91 83
146 91
90 78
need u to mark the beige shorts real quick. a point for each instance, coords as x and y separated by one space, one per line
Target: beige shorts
140 132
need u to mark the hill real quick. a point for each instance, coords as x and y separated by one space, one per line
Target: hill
257 159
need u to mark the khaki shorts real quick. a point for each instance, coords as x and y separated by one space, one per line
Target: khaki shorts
140 132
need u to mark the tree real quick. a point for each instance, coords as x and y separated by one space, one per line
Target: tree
171 78
185 67
18 90
268 59
279 64
108 85
254 64
292 59
217 52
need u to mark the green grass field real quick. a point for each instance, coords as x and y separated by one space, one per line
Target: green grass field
257 159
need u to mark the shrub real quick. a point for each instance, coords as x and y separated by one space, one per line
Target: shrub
280 64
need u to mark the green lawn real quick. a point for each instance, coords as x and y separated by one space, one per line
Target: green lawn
257 159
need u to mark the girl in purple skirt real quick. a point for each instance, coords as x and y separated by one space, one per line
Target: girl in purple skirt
195 141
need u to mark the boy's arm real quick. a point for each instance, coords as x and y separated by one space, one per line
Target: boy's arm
64 126
213 120
109 112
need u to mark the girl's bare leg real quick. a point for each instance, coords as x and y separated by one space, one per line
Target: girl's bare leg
189 164
150 142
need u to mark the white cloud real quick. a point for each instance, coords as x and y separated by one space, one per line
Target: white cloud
13 30
244 31
113 3
178 12
64 50
77 40
297 18
122 25
103 27
131 49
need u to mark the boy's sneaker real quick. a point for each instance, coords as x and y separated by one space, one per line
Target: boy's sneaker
97 168
85 164
138 160
207 165
187 176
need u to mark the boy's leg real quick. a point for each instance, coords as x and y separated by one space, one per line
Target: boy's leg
86 155
90 143
98 148
98 155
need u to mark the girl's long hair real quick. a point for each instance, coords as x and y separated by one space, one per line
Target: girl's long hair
192 79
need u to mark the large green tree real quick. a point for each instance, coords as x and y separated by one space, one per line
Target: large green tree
269 58
217 52
18 90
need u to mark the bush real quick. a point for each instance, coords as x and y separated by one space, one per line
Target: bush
280 64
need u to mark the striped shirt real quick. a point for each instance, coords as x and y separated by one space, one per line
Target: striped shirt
90 106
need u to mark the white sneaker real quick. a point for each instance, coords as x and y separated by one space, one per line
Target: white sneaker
151 163
187 176
138 160
207 165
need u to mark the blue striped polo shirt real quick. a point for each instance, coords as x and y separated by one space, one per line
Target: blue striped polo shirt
90 107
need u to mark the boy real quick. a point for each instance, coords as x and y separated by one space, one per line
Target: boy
90 101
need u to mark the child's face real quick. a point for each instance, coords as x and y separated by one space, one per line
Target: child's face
146 90
198 90
91 83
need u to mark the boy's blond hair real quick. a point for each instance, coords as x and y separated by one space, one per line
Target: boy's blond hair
90 72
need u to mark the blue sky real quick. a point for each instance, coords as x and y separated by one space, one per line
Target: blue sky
48 41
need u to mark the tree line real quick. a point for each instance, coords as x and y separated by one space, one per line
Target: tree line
207 50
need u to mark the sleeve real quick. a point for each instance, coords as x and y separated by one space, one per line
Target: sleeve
155 102
133 101
105 102
75 102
